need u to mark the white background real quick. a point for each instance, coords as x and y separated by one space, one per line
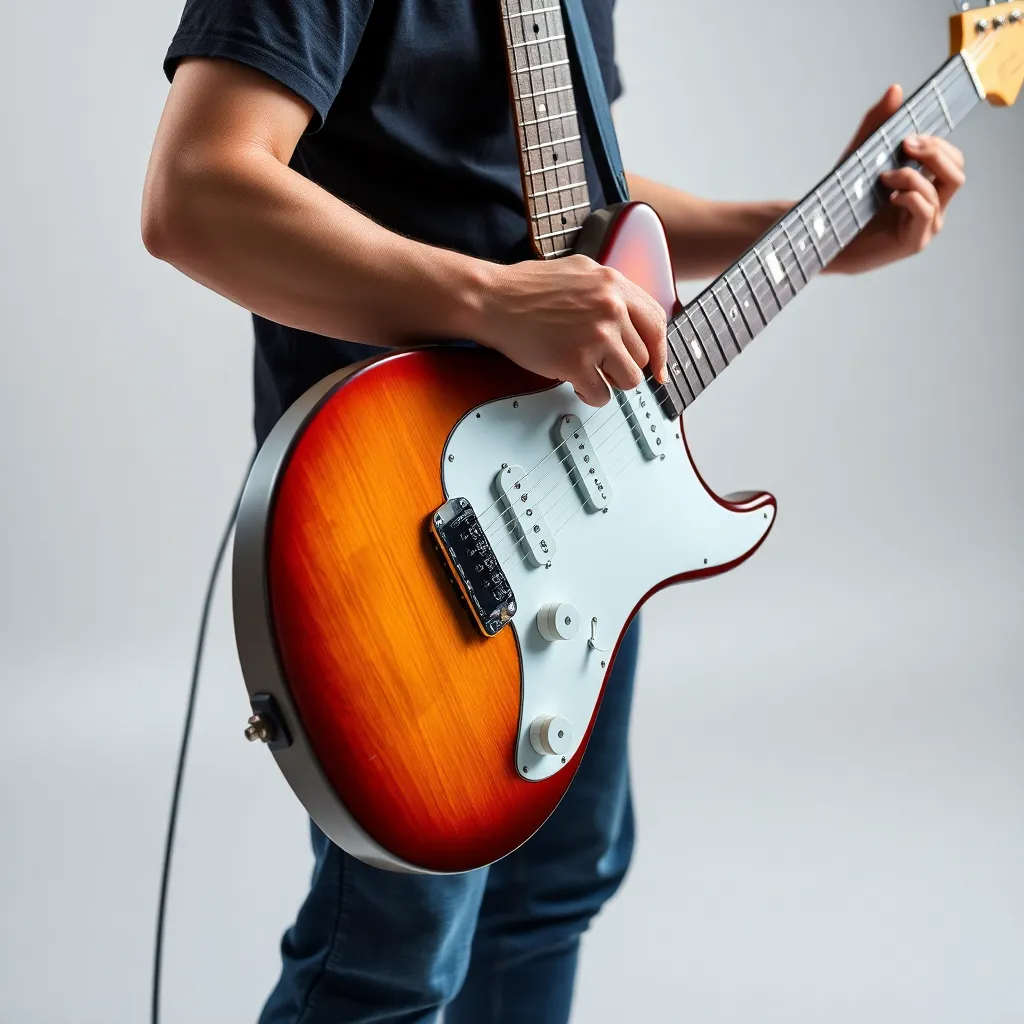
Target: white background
828 764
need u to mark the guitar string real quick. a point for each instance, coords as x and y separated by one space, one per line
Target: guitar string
615 471
750 260
929 109
848 218
791 255
908 109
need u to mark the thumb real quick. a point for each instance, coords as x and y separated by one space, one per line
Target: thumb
877 115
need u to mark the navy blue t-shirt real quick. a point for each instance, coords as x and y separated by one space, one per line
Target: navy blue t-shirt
412 126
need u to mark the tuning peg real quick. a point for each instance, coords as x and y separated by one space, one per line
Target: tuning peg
1015 16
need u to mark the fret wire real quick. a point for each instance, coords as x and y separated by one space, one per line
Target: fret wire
811 234
767 276
752 328
828 217
564 209
545 92
688 371
849 202
713 349
540 67
753 294
749 332
871 176
942 104
714 336
677 401
537 42
551 143
676 372
699 342
550 117
728 322
795 252
565 163
560 188
555 234
540 10
913 116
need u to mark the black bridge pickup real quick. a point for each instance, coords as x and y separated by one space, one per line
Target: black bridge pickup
472 565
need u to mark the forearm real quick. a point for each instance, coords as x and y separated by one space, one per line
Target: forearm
270 240
705 236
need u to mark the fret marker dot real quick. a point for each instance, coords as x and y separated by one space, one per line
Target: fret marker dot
819 226
858 188
541 108
696 350
774 266
801 245
732 313
746 302
880 159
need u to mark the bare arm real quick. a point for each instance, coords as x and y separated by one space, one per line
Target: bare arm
222 205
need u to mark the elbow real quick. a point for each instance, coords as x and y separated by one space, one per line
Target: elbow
170 212
163 223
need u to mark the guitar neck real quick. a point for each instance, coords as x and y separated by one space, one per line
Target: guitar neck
547 130
715 327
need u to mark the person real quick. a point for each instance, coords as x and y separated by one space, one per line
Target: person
347 171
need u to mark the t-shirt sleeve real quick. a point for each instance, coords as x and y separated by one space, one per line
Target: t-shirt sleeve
306 45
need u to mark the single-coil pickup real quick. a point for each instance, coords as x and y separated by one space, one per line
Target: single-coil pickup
639 406
582 463
522 516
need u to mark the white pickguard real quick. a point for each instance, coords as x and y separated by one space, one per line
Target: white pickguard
661 522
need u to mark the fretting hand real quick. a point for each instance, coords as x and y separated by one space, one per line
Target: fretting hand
918 199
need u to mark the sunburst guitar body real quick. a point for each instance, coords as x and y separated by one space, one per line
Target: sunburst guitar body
436 557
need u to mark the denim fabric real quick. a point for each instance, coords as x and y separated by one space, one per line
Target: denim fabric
494 946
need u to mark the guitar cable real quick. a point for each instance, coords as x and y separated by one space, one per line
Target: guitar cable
186 733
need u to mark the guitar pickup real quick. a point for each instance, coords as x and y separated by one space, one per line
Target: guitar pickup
523 518
583 463
472 566
639 407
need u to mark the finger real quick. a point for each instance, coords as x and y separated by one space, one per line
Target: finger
890 102
635 347
906 179
621 369
922 218
591 388
648 321
942 146
945 174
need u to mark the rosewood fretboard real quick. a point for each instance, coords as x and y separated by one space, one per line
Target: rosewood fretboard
548 133
714 328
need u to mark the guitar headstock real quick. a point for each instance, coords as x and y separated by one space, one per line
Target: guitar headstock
991 39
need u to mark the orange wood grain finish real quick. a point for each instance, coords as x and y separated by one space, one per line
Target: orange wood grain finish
412 712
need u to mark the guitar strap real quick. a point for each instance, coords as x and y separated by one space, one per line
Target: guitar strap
597 113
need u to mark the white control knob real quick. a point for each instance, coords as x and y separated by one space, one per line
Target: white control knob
551 734
558 620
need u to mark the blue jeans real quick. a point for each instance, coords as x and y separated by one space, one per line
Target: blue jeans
494 946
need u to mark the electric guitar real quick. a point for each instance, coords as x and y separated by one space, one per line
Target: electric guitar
436 552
